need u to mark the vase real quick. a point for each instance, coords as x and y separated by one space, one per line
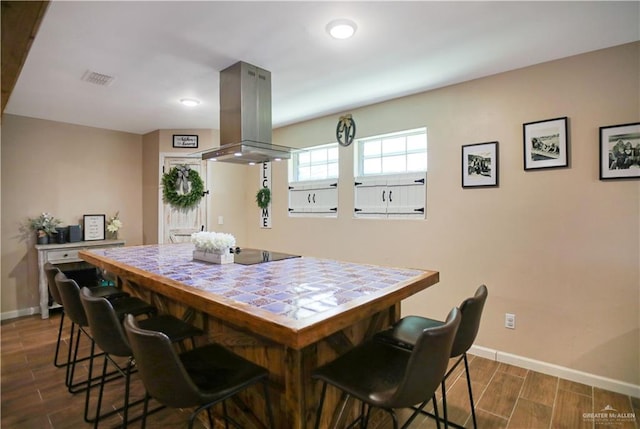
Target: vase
61 235
112 235
42 237
215 257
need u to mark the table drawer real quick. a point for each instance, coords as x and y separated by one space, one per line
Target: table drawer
68 255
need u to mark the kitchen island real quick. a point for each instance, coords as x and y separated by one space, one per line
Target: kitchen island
290 315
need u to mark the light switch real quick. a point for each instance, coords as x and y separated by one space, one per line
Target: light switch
220 220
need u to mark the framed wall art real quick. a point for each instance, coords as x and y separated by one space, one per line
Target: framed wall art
94 227
190 141
546 144
480 165
620 151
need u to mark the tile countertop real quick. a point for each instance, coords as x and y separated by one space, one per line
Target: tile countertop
295 288
296 300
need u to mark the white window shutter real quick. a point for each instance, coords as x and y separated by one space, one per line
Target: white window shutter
297 199
368 197
393 196
313 198
407 195
325 197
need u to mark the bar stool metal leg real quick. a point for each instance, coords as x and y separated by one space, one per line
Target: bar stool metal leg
55 357
473 408
444 405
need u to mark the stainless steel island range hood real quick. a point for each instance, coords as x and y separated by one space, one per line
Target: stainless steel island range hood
245 117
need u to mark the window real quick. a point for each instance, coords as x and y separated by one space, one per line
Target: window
391 178
315 163
402 152
313 181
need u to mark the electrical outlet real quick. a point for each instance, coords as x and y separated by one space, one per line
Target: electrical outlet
510 321
220 220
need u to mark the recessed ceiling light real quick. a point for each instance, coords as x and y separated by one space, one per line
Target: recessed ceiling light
190 102
341 28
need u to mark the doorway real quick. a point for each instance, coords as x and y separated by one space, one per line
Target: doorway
177 223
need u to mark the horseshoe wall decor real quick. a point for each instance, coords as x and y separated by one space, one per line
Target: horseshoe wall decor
346 130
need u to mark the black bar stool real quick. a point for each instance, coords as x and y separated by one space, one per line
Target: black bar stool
109 292
406 331
70 294
384 376
200 378
108 333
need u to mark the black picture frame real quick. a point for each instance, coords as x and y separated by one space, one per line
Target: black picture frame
620 151
480 165
185 141
94 227
546 144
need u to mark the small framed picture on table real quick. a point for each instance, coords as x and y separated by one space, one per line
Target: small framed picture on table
94 227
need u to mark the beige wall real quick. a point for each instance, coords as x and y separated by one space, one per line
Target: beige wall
229 193
68 171
559 248
150 186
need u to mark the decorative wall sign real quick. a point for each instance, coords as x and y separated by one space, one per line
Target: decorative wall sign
265 182
480 165
94 227
620 151
182 140
346 130
546 144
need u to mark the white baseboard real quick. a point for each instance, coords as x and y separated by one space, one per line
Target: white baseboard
19 313
558 371
484 352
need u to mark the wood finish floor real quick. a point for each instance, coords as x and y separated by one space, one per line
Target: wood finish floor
33 395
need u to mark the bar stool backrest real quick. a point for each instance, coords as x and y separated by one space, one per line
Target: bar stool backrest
160 368
70 294
426 366
106 329
50 271
471 309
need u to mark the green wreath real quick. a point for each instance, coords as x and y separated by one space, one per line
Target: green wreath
263 198
181 176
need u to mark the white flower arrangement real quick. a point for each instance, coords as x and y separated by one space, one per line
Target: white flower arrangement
114 224
218 242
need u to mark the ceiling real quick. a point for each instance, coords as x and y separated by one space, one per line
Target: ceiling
162 51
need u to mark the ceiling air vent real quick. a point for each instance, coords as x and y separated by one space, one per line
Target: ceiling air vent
98 78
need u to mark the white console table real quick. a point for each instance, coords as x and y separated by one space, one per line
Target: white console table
62 254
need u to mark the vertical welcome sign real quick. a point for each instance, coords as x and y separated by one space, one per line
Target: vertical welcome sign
265 182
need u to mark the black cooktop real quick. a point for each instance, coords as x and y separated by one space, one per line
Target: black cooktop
257 256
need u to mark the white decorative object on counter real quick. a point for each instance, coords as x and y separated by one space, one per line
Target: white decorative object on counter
213 247
214 257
